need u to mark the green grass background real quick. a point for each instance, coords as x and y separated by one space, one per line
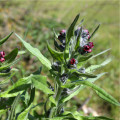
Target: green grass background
34 21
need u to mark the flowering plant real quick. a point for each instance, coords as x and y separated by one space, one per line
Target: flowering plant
73 48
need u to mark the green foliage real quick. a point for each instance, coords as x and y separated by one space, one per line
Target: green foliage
55 54
37 53
70 31
5 39
70 77
12 111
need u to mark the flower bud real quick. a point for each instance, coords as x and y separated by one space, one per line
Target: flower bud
63 32
52 88
64 77
62 110
56 66
81 70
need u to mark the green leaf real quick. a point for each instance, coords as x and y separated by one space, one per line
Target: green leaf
55 54
77 116
12 111
78 39
74 93
5 74
80 88
84 58
4 39
36 53
95 118
5 66
92 68
70 31
3 111
94 31
84 74
99 54
11 56
20 85
56 45
40 82
52 100
103 94
32 95
24 114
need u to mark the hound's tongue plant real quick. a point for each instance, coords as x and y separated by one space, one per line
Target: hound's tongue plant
73 48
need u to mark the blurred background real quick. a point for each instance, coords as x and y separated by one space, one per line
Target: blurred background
34 21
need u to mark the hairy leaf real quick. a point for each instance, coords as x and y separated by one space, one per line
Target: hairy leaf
11 56
36 53
24 114
55 54
94 31
70 31
12 111
40 82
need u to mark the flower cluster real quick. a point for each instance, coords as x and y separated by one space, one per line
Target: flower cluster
62 39
84 47
2 55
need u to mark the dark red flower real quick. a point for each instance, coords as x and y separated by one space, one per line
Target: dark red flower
86 47
91 44
72 61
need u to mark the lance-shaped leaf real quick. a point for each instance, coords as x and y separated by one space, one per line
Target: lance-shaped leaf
11 56
78 39
70 31
4 39
6 66
84 58
12 111
3 111
81 87
55 54
84 74
102 93
56 45
40 82
94 31
24 114
95 118
4 74
36 53
32 95
20 85
99 54
92 68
